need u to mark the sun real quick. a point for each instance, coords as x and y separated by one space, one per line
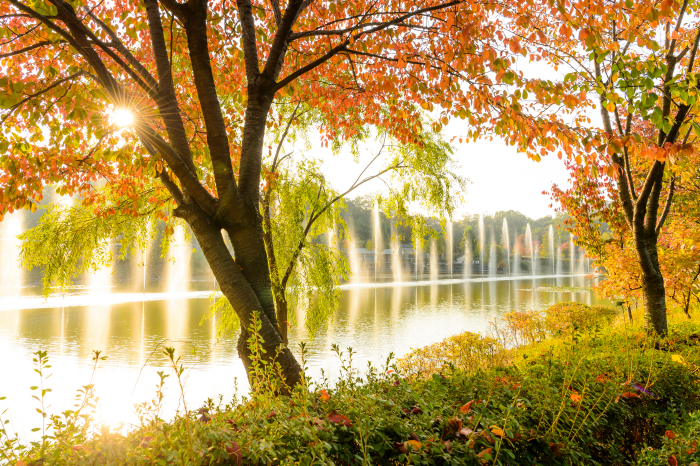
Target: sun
121 117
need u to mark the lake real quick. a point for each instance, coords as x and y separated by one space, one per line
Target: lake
131 329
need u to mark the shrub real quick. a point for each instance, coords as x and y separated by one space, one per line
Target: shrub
466 351
680 446
564 318
558 320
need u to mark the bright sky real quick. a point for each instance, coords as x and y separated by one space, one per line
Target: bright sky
500 178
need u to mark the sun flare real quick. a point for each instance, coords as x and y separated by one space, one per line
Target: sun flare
121 117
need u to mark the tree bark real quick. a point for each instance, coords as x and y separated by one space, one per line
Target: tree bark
238 290
653 289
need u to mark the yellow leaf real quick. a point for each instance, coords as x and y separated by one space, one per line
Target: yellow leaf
497 431
677 358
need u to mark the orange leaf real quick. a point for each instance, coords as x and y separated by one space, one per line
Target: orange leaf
583 34
672 461
466 407
669 435
324 395
576 397
497 431
415 444
485 452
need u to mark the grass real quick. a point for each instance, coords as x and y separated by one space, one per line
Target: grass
583 388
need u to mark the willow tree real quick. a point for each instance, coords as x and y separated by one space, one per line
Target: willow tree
206 84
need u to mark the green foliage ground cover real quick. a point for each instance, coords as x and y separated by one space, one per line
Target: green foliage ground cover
592 396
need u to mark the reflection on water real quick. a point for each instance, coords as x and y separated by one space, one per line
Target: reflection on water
373 321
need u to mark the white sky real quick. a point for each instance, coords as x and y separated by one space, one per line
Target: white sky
500 178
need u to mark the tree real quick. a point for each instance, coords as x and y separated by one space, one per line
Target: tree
202 88
646 95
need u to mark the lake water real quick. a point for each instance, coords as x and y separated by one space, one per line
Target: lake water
131 329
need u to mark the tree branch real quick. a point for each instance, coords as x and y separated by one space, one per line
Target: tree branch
343 46
284 135
37 94
195 22
121 48
667 206
249 43
27 49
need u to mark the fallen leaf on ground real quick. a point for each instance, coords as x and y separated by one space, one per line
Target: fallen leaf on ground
466 432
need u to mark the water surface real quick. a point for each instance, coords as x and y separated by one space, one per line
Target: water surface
374 321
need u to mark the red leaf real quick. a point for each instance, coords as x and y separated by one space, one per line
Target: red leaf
673 461
669 435
233 449
336 418
401 447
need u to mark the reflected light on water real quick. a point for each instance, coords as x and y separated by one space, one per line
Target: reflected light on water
373 321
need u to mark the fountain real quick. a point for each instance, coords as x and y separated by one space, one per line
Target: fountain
11 276
482 243
505 242
178 271
572 253
517 252
449 246
433 260
420 263
468 259
493 264
377 227
551 246
396 264
529 243
559 269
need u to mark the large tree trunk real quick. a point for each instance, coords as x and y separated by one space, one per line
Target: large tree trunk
241 293
653 289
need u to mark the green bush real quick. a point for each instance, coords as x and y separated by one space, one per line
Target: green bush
594 398
679 446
